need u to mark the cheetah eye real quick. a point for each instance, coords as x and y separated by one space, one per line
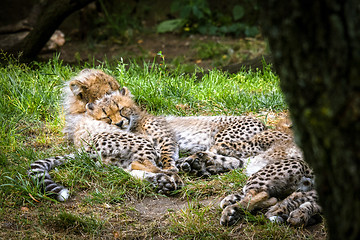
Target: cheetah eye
122 114
107 119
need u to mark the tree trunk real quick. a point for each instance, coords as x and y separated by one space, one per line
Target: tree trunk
316 50
51 16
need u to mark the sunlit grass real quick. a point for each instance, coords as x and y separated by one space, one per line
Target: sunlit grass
216 93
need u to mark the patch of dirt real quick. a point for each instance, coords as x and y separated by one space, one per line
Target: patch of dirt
156 207
175 48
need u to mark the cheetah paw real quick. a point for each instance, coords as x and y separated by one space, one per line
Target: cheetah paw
230 200
231 215
192 166
205 164
165 183
276 219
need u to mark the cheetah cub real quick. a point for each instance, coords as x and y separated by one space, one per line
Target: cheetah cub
86 87
254 153
278 180
215 142
99 133
191 134
119 109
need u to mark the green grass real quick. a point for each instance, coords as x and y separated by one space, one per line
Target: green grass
103 198
216 93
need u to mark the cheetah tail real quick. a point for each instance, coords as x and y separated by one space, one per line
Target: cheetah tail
39 172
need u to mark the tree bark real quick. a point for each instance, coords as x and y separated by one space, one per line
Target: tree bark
52 15
316 50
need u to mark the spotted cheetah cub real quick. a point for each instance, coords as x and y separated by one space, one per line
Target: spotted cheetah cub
99 133
275 181
86 87
209 135
261 149
191 134
119 109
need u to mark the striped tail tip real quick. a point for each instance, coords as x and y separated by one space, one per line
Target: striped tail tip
63 195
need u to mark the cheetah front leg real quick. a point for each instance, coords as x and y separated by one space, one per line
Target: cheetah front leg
204 164
297 209
164 140
163 181
230 200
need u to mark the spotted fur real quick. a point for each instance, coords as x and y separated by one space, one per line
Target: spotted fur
119 109
254 153
204 164
260 142
275 181
298 209
200 133
135 151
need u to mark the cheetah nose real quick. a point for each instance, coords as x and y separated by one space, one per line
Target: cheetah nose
119 124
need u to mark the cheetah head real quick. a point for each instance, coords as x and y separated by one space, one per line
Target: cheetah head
92 84
117 108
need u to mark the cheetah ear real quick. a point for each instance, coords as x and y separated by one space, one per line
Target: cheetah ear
85 70
125 92
90 106
114 85
77 87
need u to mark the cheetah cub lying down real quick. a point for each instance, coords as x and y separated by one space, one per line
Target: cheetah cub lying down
289 178
189 135
252 153
93 84
115 133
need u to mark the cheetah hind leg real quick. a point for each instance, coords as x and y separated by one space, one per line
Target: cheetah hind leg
252 200
306 214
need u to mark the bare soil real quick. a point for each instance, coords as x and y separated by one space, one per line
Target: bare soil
175 48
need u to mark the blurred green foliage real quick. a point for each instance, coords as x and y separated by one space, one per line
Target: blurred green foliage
205 17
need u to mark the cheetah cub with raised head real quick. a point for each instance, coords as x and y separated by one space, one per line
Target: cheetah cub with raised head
86 87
